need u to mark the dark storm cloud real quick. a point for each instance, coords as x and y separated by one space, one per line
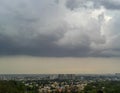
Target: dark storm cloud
108 4
49 28
40 46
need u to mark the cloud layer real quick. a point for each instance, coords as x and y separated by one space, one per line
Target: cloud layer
60 28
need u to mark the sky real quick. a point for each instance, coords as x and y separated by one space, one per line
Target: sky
62 29
66 65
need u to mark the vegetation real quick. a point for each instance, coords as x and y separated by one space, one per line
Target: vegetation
15 87
103 87
94 87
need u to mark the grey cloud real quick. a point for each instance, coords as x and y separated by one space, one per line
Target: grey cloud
108 4
36 47
73 4
48 28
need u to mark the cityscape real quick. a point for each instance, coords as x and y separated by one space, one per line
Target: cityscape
60 83
20 77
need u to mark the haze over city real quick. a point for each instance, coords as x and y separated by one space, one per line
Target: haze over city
59 36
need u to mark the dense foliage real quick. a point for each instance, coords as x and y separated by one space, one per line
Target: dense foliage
94 87
103 87
15 87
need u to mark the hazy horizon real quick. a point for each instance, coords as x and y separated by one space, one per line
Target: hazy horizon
52 65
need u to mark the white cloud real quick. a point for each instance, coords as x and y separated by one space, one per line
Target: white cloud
83 28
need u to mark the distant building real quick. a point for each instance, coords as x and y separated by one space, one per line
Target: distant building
66 76
52 77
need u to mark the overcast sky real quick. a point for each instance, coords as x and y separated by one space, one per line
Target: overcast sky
72 28
60 28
